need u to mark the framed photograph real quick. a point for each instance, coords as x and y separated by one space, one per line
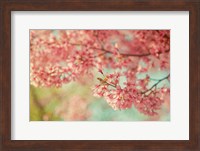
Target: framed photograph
92 75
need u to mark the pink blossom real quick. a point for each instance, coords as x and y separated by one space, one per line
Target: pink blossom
58 57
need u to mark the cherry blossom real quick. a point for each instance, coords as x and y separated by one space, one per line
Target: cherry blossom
58 57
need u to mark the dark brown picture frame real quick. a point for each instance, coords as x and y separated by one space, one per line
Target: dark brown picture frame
7 6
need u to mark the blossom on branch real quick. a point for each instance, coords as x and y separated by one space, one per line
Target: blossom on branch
58 57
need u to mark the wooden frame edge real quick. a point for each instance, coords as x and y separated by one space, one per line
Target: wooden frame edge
5 77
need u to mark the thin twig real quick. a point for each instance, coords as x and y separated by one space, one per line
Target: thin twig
156 84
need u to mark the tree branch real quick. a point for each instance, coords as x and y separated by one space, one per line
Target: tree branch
107 51
156 84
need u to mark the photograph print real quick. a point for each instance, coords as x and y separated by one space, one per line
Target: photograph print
99 75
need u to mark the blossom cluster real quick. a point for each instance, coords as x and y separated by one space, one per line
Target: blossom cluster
131 93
